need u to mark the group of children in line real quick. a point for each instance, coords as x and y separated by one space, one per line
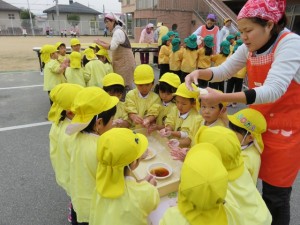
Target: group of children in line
94 149
184 58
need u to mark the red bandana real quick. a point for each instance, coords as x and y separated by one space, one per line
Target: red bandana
264 9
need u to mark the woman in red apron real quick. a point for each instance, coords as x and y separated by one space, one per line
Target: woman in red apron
272 56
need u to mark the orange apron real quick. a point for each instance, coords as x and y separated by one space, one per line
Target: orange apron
214 33
280 160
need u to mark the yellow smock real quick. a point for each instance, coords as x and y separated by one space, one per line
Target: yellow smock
121 113
134 103
51 75
173 216
94 72
61 58
218 59
189 60
164 111
163 30
133 207
204 61
190 125
252 161
64 156
218 122
163 55
249 200
176 59
108 68
241 73
75 76
53 136
83 168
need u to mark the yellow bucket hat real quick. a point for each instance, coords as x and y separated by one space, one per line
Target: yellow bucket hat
45 51
89 102
74 41
89 54
104 52
62 96
226 141
252 121
113 156
113 79
75 60
204 162
143 74
171 79
184 92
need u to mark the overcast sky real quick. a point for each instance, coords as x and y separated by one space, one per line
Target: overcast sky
37 6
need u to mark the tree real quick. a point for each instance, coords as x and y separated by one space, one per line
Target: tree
25 17
73 19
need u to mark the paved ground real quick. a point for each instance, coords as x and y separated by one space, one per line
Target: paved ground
29 194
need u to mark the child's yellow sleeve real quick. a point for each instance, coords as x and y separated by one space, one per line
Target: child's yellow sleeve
130 104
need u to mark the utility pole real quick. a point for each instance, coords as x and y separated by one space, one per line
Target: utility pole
31 24
57 14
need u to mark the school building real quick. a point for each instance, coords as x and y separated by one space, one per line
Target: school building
189 15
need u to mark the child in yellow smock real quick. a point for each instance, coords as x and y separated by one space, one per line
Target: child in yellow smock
103 56
62 56
190 57
74 73
114 85
240 186
166 86
202 191
218 60
183 122
231 39
204 57
249 124
213 114
94 110
60 115
94 69
75 45
53 71
118 198
139 102
176 57
163 55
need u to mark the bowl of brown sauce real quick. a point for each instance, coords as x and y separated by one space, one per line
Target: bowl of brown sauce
160 170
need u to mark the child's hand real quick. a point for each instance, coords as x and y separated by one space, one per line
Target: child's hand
117 122
152 128
151 180
146 122
179 153
173 143
165 132
136 119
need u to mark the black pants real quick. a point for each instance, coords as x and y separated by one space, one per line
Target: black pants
74 218
234 84
217 85
164 68
202 83
182 76
178 72
50 98
144 57
277 200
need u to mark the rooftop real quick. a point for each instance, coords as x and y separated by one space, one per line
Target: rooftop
72 8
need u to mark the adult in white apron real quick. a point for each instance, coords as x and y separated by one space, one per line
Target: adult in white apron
122 57
272 56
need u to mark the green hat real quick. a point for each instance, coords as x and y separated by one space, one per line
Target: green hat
238 43
192 41
209 41
171 33
229 37
176 34
175 44
238 34
165 38
225 47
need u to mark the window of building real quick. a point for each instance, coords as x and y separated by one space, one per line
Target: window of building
11 16
141 22
128 2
